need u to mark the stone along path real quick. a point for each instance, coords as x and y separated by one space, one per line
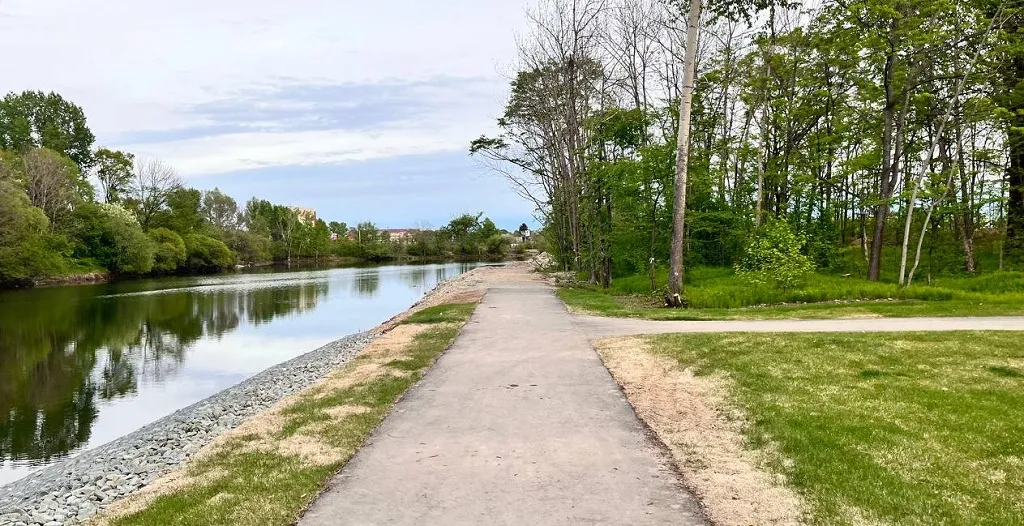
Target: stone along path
518 423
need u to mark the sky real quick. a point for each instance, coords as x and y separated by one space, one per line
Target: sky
362 110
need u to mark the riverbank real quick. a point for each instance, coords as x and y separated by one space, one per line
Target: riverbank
78 487
96 277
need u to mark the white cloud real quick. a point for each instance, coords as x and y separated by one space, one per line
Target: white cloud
241 151
140 66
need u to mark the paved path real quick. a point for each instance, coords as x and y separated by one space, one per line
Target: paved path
519 423
599 327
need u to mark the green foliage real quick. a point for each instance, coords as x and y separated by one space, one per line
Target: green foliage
184 213
206 254
168 250
110 236
33 119
114 172
251 248
773 258
447 313
220 210
27 250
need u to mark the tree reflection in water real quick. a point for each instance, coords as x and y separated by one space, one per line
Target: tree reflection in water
63 350
366 282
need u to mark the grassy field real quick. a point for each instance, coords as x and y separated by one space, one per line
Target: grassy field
716 293
921 428
270 469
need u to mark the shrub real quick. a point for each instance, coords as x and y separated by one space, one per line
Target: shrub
27 250
111 236
773 258
206 254
250 248
168 250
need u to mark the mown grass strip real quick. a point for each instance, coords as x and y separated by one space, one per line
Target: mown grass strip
447 313
270 471
716 293
920 428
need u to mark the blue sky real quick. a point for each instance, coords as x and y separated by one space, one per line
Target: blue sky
362 110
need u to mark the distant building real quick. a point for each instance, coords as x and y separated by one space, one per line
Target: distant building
524 233
306 215
399 234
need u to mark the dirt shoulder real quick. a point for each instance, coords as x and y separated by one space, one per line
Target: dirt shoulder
692 417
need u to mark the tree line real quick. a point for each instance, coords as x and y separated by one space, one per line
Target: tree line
67 207
884 136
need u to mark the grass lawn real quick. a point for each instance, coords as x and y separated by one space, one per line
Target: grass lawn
917 428
716 293
267 471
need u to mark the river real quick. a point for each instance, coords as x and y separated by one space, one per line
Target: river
83 365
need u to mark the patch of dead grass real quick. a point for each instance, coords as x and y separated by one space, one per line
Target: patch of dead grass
691 416
263 432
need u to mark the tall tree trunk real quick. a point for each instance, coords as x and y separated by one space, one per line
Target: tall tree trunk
966 221
1015 193
676 269
885 177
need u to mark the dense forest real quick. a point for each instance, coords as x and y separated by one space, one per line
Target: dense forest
881 138
67 207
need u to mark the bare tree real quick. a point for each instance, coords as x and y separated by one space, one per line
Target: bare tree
52 182
152 181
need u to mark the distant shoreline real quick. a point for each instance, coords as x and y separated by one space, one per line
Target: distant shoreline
98 277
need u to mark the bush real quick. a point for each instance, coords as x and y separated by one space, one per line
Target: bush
110 236
773 258
169 250
206 254
250 248
26 249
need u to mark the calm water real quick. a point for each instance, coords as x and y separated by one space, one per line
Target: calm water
83 365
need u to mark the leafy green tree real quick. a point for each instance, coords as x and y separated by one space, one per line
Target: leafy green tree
26 247
110 236
206 254
183 213
341 229
220 210
250 247
114 172
773 257
33 119
169 250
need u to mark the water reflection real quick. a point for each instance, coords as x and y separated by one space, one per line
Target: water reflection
83 365
64 350
367 282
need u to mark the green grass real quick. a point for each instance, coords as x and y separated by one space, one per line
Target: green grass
918 428
243 485
447 313
716 293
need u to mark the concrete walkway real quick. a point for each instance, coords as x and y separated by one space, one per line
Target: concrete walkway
519 423
598 327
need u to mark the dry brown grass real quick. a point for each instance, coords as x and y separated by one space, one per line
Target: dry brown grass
263 432
691 416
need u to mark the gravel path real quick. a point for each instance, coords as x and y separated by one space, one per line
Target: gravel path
517 423
75 489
